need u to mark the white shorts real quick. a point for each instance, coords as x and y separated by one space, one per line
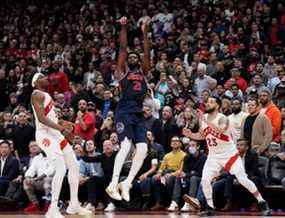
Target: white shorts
51 141
230 163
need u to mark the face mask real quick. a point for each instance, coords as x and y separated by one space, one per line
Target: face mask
192 150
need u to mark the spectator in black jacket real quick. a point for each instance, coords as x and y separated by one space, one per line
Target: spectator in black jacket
107 160
9 167
168 129
155 146
23 133
151 122
15 191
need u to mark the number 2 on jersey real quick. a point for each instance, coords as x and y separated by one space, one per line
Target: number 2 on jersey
212 142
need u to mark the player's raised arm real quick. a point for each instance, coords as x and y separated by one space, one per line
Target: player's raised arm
146 57
195 136
119 73
38 104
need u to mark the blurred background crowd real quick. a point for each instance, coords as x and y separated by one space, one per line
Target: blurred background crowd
231 49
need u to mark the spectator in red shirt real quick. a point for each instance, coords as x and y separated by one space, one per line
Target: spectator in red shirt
236 78
58 80
85 122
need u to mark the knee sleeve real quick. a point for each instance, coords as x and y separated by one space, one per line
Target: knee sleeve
141 149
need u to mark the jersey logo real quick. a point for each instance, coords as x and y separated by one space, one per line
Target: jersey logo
46 142
137 79
216 134
120 127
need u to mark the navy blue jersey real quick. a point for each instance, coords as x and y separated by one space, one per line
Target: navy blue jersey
133 90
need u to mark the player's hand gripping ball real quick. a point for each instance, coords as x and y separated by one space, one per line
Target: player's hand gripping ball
68 131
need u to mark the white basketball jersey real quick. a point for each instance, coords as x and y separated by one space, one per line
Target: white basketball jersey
49 112
218 143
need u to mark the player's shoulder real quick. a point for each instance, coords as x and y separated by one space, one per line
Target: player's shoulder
222 116
37 95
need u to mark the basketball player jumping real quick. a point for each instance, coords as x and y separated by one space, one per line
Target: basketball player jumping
214 128
129 116
50 137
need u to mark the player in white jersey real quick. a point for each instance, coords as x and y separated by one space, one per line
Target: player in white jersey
50 137
214 128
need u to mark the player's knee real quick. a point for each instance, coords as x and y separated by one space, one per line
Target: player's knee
241 177
142 149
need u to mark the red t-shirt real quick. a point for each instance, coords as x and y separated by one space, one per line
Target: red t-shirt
89 120
58 82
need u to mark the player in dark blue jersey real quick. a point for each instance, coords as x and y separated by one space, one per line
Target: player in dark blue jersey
129 115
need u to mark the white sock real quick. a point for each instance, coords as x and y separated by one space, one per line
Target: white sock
208 191
120 159
141 152
59 166
73 173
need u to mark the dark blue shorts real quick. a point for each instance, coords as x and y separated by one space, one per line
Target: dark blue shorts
132 126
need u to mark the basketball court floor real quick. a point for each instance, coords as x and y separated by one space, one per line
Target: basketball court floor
141 215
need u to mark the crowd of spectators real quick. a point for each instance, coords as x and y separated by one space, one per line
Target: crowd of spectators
231 49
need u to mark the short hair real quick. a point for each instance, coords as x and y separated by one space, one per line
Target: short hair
5 142
255 100
243 140
218 100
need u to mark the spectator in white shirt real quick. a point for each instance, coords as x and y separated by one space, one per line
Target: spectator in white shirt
38 178
203 81
236 118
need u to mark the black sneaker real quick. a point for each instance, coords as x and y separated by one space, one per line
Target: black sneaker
265 210
209 211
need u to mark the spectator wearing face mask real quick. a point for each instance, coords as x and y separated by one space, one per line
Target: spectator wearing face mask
190 176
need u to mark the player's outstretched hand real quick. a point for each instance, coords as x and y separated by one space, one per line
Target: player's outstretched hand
123 21
186 132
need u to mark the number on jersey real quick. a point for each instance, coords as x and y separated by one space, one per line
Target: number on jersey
212 142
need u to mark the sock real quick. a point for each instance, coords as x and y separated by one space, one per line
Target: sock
73 173
140 154
208 191
120 159
258 196
60 170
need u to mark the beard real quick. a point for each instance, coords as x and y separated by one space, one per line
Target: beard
236 110
263 102
133 66
209 110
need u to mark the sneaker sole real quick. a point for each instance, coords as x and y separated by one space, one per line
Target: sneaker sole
188 199
110 193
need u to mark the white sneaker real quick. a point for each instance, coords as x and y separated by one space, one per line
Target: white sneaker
173 206
186 207
53 212
110 208
113 192
90 207
77 209
125 190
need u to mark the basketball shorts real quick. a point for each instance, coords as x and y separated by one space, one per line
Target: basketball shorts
132 126
51 141
230 163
